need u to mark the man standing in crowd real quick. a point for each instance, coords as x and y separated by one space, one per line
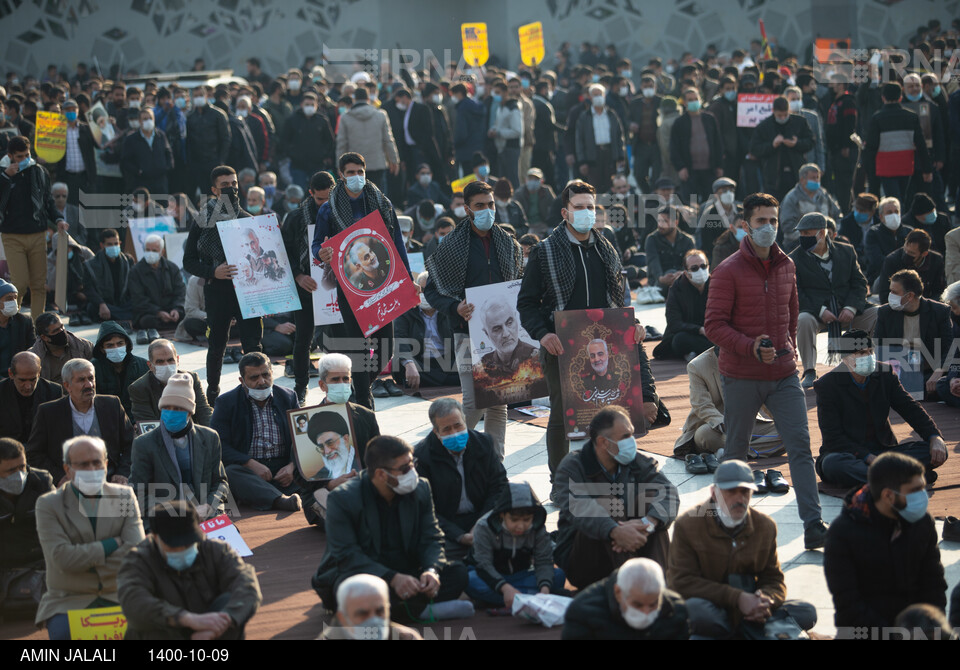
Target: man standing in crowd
477 253
752 314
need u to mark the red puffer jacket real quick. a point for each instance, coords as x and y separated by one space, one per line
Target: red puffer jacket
748 300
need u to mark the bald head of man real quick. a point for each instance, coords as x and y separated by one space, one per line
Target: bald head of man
25 372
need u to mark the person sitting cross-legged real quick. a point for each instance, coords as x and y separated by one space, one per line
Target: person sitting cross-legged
633 603
383 523
853 409
145 392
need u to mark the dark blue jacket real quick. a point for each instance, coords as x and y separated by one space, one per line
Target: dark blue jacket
233 420
146 165
470 130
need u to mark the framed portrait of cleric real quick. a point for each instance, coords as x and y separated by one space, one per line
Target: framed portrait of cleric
369 270
323 445
506 360
144 427
599 366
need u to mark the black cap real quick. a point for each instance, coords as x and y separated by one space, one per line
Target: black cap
854 341
176 523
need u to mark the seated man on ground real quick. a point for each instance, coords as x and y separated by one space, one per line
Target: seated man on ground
86 528
465 474
145 393
382 523
615 504
424 345
156 289
255 437
686 307
22 394
55 346
512 550
916 254
16 329
363 612
107 279
194 324
115 363
179 460
746 588
831 289
21 558
704 433
910 322
178 584
81 411
342 451
881 554
853 410
633 603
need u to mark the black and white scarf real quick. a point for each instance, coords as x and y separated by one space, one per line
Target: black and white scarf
209 246
557 264
448 264
373 199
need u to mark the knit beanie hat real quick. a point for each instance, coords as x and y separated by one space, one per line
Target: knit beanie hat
6 287
179 393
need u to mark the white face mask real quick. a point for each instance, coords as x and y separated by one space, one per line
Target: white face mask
14 483
151 257
260 394
700 277
148 125
406 483
728 197
199 101
10 308
309 110
460 212
89 482
374 628
895 302
724 514
649 92
638 619
796 106
134 104
164 372
892 221
598 100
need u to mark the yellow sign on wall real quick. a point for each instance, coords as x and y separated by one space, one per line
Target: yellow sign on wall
50 137
476 51
531 44
103 623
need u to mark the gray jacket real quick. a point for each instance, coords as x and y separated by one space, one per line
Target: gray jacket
366 130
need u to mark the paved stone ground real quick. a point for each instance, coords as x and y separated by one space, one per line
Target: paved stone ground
526 459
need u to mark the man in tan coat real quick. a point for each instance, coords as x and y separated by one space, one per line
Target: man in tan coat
86 527
366 130
723 561
703 432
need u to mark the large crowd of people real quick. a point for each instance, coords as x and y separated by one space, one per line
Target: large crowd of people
834 213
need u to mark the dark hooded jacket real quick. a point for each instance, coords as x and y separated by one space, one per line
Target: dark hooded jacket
109 381
498 553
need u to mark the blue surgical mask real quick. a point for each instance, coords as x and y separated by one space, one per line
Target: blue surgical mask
182 560
355 183
483 171
71 116
180 103
626 450
731 96
930 218
174 420
861 217
914 98
25 163
765 235
483 219
456 442
916 506
693 106
338 394
583 220
270 191
936 90
70 255
865 365
525 83
533 184
117 354
254 209
497 98
739 233
113 252
812 185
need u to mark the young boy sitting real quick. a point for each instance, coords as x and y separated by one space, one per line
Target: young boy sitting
512 551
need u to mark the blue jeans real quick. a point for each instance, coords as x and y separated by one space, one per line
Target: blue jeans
58 627
525 582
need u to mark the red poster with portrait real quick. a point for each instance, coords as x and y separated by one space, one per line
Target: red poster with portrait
599 366
371 274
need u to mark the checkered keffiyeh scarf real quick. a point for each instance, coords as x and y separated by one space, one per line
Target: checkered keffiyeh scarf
448 264
342 212
557 264
209 246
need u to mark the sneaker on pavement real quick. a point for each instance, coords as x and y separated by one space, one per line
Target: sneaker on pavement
809 377
815 536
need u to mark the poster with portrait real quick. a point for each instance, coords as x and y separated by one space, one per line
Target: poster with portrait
506 360
264 280
140 229
326 309
323 446
599 366
368 269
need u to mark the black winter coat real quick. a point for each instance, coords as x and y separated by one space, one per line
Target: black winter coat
774 160
208 136
846 282
686 313
19 544
595 615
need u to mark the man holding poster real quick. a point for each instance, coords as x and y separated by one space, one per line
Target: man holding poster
477 254
573 269
350 200
203 256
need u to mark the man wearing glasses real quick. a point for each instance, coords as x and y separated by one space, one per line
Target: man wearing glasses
383 523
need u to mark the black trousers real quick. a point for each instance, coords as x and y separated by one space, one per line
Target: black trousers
647 164
76 181
592 560
303 320
347 338
222 306
543 159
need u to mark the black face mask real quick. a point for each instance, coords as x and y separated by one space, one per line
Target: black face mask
808 243
231 195
59 340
